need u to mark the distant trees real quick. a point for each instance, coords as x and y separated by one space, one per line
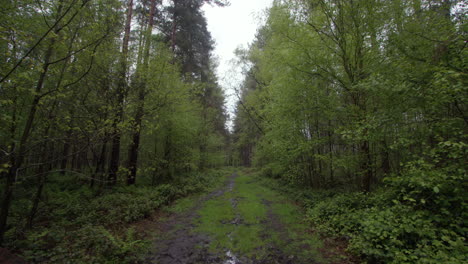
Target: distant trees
348 92
82 80
192 45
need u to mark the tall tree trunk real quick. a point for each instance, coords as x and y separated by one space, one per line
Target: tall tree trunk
41 172
100 164
366 167
135 145
174 27
330 152
18 157
121 91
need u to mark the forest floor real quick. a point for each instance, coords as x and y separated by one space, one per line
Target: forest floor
241 221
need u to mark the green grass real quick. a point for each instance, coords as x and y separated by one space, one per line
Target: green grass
182 205
247 240
252 235
214 216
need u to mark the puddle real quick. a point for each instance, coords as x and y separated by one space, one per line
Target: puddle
232 259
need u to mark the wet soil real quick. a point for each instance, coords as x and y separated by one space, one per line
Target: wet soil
177 242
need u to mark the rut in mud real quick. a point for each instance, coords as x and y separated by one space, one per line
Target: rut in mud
240 222
178 242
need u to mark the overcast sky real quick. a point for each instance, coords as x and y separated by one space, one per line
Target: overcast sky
231 27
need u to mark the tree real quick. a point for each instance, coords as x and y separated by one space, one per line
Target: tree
48 57
120 94
330 73
141 84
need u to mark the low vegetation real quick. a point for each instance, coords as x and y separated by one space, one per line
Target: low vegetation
83 225
416 217
251 220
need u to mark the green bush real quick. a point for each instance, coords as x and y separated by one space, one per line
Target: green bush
89 244
338 215
417 218
400 234
442 192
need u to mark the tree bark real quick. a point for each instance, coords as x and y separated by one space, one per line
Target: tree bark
366 166
100 164
121 87
135 145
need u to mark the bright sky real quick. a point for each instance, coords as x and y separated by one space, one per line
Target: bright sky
231 27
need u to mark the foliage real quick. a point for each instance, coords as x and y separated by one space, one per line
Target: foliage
82 81
410 221
416 217
338 93
81 226
361 107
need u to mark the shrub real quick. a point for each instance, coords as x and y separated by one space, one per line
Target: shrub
417 218
74 225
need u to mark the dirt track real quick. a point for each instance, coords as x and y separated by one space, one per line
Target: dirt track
241 222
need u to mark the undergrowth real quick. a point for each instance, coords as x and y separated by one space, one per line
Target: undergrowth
418 216
83 225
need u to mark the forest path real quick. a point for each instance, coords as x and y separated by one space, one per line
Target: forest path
241 222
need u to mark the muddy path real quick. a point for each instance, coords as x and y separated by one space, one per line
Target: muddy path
178 243
241 222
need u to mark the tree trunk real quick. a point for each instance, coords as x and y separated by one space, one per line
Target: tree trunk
134 147
100 164
366 166
17 157
66 152
121 87
174 27
45 161
42 174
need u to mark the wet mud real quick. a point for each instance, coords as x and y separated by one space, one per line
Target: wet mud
178 241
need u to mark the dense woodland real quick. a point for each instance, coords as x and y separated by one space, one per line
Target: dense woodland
102 93
110 109
367 98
